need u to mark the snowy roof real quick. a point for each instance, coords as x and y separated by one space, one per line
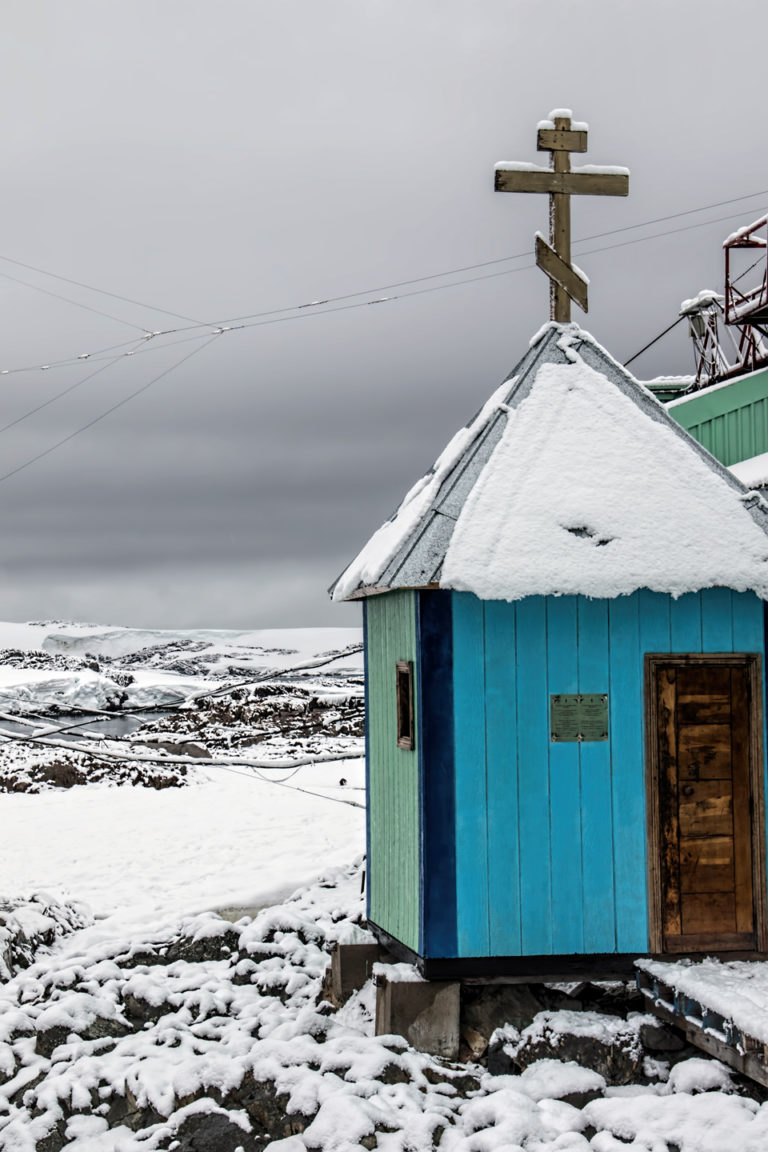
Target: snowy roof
752 472
572 479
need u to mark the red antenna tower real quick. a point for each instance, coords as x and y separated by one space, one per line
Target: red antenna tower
743 311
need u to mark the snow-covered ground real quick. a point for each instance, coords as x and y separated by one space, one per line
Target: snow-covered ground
149 1023
233 837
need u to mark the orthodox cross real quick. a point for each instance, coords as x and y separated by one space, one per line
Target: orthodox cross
560 137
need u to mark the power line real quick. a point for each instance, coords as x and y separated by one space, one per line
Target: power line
59 395
362 292
67 300
91 288
654 341
108 412
276 315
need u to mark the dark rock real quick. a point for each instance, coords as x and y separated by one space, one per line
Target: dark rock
213 1132
101 1028
126 1110
49 1039
267 1110
484 1008
581 1099
141 958
206 948
498 1060
393 1074
463 1082
394 1043
614 1060
616 998
62 774
659 1038
54 1140
139 1011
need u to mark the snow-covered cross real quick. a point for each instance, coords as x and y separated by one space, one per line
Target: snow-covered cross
560 137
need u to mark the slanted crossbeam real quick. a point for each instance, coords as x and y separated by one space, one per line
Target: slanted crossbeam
559 136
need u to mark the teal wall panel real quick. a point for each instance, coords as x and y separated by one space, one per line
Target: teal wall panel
747 614
393 777
565 783
599 912
502 784
533 775
551 842
628 777
716 620
685 623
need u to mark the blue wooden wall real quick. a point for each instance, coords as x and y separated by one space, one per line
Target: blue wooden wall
550 839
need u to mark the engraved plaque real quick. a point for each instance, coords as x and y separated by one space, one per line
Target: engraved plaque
575 718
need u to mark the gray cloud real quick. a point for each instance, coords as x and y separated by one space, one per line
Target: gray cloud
269 153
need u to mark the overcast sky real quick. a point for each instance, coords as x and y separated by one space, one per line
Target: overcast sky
231 159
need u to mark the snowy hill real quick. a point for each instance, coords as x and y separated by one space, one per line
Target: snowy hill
233 835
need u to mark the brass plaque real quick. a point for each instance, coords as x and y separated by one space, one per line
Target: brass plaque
576 718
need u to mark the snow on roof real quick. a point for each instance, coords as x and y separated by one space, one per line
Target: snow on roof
752 472
571 480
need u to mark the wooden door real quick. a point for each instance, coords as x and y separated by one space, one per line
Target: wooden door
710 890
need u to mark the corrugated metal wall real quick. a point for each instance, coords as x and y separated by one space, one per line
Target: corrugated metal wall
551 838
730 420
393 775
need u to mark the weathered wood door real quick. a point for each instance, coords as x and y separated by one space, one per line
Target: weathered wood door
710 887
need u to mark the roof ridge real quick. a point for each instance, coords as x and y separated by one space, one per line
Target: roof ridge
410 549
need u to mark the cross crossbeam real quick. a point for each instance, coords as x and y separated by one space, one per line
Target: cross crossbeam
560 137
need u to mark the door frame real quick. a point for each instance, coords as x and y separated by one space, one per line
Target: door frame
753 664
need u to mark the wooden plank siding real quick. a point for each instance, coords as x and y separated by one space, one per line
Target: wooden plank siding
551 846
393 889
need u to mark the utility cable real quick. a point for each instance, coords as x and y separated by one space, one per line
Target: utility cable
311 306
74 303
652 342
108 412
380 288
272 319
59 395
101 291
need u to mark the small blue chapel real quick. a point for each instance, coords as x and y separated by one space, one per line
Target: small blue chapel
565 635
565 644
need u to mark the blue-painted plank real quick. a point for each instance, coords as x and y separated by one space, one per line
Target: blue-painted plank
596 810
685 620
716 620
436 770
747 613
501 759
565 784
653 610
472 920
533 775
628 773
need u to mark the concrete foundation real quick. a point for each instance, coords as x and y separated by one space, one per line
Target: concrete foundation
423 1012
351 965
